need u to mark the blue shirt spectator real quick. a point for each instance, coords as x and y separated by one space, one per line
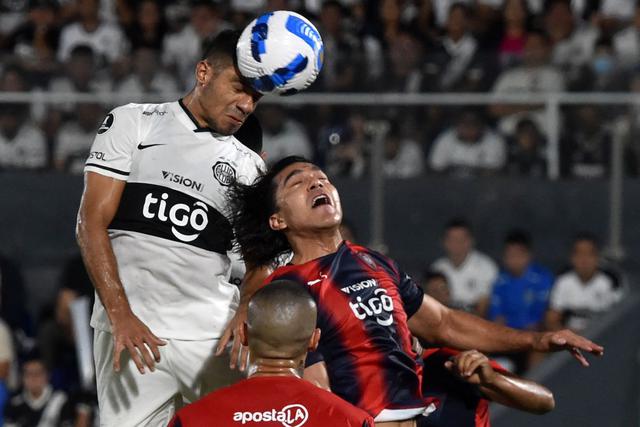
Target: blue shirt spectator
521 293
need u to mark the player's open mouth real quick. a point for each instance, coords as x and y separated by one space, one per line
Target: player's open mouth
320 200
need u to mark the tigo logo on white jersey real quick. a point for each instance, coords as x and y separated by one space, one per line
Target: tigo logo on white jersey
179 215
294 415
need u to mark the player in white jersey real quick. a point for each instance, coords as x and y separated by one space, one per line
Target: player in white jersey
154 237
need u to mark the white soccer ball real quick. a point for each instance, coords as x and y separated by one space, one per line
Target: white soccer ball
280 52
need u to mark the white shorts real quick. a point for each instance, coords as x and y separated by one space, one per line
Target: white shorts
187 370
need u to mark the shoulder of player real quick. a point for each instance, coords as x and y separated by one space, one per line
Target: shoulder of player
377 257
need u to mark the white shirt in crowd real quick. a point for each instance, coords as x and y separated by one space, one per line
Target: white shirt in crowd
524 80
292 140
407 163
627 47
27 150
471 280
107 41
582 301
575 51
161 84
450 152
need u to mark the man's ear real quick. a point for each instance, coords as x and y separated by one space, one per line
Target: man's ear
276 222
204 72
245 341
314 340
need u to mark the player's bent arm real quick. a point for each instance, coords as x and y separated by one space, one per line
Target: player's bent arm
553 320
519 393
253 280
317 375
100 201
454 328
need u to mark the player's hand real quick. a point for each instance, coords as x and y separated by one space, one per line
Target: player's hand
238 354
567 340
131 334
471 366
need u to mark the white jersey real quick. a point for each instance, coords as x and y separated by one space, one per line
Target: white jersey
170 234
579 301
471 280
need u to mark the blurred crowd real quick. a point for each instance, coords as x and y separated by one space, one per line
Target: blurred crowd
147 48
41 371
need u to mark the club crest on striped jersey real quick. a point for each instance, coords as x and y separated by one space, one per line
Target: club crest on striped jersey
368 260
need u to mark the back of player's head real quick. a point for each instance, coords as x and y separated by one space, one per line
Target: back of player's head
281 320
221 50
250 208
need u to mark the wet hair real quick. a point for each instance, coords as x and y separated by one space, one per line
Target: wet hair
250 209
518 237
221 50
281 319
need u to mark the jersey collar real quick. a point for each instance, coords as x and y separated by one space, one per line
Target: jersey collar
186 117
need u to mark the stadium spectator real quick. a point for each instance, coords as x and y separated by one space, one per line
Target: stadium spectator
282 135
56 339
7 359
516 20
586 150
280 329
469 148
36 404
74 138
521 293
106 40
602 73
584 292
403 72
35 42
347 145
403 157
627 42
147 77
572 42
12 14
457 63
435 285
535 75
470 273
526 151
81 75
13 309
22 143
182 50
149 27
343 64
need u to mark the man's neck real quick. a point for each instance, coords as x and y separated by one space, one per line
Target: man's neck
307 247
265 367
191 103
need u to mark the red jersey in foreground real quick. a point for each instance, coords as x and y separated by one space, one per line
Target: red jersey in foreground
271 402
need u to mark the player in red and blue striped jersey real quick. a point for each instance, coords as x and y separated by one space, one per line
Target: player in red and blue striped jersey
295 208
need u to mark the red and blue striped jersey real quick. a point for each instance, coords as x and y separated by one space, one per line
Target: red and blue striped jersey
364 302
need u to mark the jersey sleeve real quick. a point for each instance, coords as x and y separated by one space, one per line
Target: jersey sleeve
410 293
115 143
313 357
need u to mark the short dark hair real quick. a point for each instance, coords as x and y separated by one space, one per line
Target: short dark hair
222 48
458 223
82 50
586 236
518 237
250 209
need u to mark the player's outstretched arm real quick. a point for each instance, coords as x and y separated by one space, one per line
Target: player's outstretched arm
454 328
98 206
253 280
505 388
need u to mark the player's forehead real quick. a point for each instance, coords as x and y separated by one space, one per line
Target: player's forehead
294 169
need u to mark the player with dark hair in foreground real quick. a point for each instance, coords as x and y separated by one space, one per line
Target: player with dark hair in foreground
280 329
367 308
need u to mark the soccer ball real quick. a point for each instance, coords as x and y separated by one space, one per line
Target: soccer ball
280 52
